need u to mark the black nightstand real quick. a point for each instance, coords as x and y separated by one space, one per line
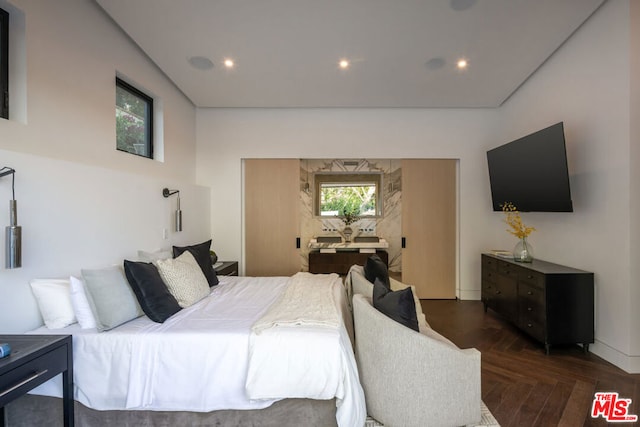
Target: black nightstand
34 360
228 268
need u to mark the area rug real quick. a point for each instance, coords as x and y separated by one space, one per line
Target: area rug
487 420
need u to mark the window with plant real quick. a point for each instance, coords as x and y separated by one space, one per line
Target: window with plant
348 195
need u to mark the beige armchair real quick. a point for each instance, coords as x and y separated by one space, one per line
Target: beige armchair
412 378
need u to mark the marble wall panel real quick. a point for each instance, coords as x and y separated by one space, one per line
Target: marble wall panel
388 226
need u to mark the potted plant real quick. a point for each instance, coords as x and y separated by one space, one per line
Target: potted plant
349 216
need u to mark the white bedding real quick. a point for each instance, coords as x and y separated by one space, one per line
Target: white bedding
181 365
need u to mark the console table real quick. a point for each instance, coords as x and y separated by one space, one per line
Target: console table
35 359
550 302
340 261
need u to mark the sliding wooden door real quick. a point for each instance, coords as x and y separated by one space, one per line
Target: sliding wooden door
271 216
429 226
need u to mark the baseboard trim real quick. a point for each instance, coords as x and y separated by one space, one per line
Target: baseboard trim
629 364
470 295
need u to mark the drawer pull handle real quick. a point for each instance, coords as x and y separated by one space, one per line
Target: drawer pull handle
529 293
23 382
529 309
529 325
529 277
498 292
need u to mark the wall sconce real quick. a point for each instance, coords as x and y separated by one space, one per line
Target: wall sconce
13 232
166 193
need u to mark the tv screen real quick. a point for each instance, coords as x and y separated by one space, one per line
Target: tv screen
531 172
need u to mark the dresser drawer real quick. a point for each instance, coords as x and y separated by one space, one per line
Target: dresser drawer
488 292
489 263
508 269
532 278
531 310
531 293
533 327
32 373
490 276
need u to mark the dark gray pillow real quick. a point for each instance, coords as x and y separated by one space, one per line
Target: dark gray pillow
152 294
398 305
374 268
201 253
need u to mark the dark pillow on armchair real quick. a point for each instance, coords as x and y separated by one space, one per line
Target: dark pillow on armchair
152 294
398 305
376 268
201 253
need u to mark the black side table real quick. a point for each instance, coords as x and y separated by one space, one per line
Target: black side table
34 360
228 268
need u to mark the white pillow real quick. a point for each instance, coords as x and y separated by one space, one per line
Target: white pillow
184 279
54 301
146 256
80 304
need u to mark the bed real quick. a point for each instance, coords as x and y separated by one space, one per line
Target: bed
239 350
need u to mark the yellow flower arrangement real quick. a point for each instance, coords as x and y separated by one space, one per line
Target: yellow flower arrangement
514 221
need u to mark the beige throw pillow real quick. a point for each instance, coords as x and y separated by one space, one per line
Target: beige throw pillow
184 279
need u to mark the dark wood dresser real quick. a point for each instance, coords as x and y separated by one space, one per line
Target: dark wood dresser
552 303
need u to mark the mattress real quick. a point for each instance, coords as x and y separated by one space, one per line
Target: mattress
199 358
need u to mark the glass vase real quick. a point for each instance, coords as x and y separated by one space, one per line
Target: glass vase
523 251
347 232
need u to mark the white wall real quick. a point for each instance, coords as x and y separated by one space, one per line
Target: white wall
634 160
81 202
585 84
226 136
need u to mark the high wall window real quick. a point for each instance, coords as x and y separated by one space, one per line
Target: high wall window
134 120
4 64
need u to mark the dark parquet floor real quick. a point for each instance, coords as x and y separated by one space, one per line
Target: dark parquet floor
521 385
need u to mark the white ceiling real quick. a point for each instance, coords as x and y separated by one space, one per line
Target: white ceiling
286 52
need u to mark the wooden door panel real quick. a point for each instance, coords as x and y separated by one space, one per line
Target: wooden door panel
271 216
429 226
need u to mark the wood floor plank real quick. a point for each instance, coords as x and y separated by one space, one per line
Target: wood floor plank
529 411
581 397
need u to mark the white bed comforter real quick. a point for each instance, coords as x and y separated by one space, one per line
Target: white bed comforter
181 365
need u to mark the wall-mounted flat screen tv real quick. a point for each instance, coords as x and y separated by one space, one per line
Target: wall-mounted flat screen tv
531 172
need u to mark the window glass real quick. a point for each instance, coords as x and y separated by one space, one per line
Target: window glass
4 64
134 120
358 194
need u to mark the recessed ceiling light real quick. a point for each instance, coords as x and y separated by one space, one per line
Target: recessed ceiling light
200 62
462 64
229 63
344 64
